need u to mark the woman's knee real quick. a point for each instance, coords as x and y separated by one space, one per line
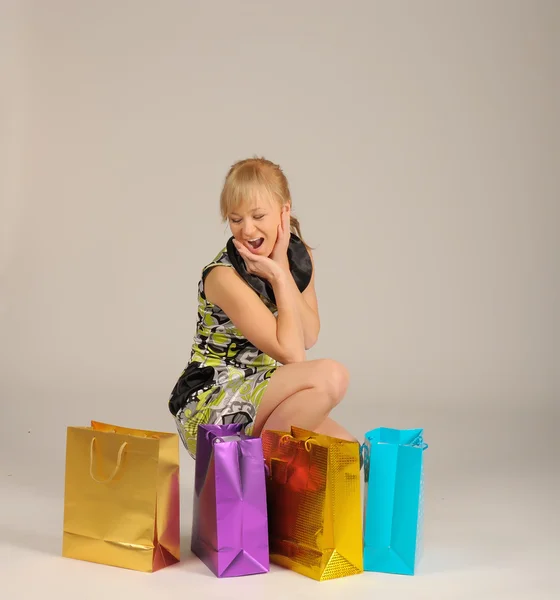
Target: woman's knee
333 377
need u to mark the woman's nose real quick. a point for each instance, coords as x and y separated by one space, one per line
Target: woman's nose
248 229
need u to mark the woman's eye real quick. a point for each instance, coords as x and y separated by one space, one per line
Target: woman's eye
235 220
258 217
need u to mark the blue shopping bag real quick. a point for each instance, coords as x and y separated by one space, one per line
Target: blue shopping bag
394 500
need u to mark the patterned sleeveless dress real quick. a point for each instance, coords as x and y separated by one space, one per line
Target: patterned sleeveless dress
226 376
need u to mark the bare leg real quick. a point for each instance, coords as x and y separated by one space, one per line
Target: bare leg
306 409
333 429
301 394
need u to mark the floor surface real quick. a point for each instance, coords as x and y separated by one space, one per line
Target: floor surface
491 529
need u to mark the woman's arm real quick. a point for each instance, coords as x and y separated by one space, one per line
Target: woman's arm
307 306
290 330
282 337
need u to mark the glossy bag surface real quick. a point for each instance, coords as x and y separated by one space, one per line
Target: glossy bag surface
314 505
121 498
230 524
394 500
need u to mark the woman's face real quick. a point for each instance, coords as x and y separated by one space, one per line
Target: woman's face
255 224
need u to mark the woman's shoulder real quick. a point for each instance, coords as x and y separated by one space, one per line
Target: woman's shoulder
220 260
220 277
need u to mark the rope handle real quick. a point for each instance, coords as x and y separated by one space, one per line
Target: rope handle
307 444
117 466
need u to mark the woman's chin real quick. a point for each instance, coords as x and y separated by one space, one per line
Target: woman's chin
264 253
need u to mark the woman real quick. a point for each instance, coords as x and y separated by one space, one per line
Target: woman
257 315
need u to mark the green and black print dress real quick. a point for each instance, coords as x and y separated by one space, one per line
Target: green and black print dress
227 376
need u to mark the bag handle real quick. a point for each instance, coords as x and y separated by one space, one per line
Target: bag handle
117 466
222 439
419 442
306 444
286 438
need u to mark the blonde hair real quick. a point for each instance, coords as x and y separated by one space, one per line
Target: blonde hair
246 177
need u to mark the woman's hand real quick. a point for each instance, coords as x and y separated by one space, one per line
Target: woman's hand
279 253
262 266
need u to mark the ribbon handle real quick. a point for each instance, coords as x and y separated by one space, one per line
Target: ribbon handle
419 443
227 438
117 466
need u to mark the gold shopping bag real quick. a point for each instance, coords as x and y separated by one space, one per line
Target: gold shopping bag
314 503
121 497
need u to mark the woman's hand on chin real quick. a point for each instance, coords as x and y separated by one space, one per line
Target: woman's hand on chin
262 266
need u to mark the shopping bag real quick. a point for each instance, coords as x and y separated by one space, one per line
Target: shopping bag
121 497
394 500
230 525
314 503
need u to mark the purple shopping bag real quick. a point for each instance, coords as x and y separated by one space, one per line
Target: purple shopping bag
230 524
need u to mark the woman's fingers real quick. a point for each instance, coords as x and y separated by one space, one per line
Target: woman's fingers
240 248
250 259
243 251
286 220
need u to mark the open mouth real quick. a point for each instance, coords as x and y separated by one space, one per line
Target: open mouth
256 243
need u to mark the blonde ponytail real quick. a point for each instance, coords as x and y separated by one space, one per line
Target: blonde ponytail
295 227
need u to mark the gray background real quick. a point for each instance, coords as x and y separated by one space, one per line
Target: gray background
421 142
